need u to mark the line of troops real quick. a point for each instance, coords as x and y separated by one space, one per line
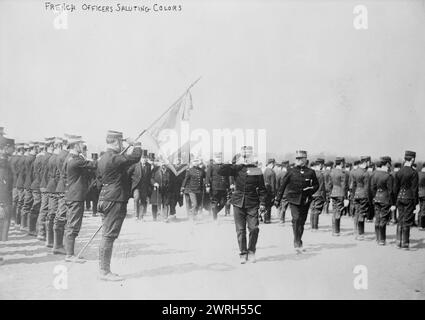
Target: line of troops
45 185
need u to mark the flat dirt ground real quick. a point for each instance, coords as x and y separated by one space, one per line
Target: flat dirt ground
183 260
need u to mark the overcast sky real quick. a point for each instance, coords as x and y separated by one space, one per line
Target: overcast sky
298 69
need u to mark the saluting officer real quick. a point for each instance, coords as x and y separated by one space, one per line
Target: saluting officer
76 187
301 183
319 197
113 198
383 197
217 185
359 186
338 182
406 188
248 197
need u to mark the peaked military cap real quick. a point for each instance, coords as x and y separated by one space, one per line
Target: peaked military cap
339 160
356 162
320 161
144 153
75 139
300 154
111 134
285 163
410 154
271 160
385 159
397 165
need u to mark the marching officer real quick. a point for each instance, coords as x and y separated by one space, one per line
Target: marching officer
62 207
176 197
302 183
77 173
421 194
113 198
6 186
44 205
319 197
383 197
159 199
20 182
248 198
406 189
270 183
283 202
217 185
359 186
328 184
141 187
338 181
193 183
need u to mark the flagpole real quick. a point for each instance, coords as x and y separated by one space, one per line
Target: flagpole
165 112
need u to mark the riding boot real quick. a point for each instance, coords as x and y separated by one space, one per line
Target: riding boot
49 233
137 208
398 236
377 233
316 221
422 222
334 230
32 225
58 247
382 235
361 227
405 235
105 255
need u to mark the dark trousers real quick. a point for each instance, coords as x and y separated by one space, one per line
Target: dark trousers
405 211
244 217
361 211
269 204
61 213
316 209
19 205
282 209
35 210
299 215
74 218
15 198
218 201
113 215
140 199
26 209
421 214
382 214
44 210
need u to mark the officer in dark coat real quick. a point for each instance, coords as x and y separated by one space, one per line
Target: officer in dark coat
301 183
338 181
44 204
13 165
283 202
6 186
20 182
160 195
141 186
217 185
35 189
381 185
270 183
421 194
29 176
328 184
319 197
406 189
52 182
359 187
113 171
176 181
94 187
248 198
397 167
62 207
193 183
77 170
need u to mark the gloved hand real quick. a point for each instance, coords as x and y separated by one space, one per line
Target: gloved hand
207 189
156 185
393 208
232 187
346 203
262 208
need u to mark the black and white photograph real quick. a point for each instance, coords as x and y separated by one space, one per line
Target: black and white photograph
212 151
